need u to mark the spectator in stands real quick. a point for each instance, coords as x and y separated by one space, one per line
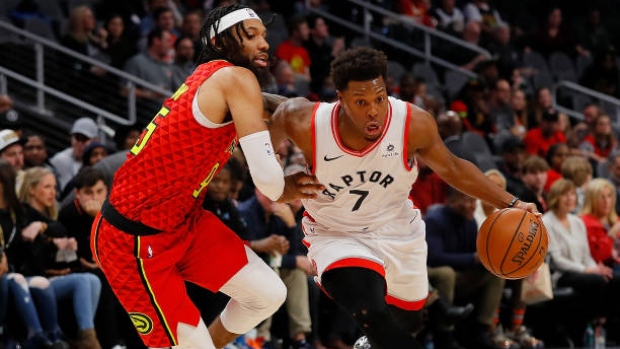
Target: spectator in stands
481 11
322 49
584 126
190 28
613 173
555 158
94 152
571 259
429 189
9 117
119 47
450 129
534 176
465 57
475 96
417 10
271 229
78 218
518 102
32 298
500 109
600 141
12 149
601 220
84 37
512 152
54 250
292 51
543 102
553 36
577 169
183 59
35 152
592 36
164 21
147 23
539 139
603 75
152 67
126 136
502 48
451 236
449 18
285 79
483 210
69 161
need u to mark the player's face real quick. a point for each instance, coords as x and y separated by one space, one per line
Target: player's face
365 104
255 46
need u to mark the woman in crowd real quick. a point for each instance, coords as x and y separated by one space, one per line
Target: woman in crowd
55 254
40 317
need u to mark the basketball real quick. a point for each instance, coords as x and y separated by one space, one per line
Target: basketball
512 243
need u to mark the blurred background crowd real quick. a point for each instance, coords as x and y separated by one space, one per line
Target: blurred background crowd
526 90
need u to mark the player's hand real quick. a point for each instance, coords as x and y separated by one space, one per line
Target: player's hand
305 264
528 206
300 186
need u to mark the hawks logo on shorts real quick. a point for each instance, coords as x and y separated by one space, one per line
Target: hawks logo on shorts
142 322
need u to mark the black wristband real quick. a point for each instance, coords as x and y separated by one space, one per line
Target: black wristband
513 201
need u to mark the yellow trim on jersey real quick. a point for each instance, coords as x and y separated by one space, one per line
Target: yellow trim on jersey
160 313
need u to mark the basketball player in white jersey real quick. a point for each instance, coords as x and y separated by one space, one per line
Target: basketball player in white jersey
365 237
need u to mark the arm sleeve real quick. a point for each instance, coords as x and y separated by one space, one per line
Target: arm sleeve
265 170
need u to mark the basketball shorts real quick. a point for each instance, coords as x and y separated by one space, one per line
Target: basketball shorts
147 273
397 250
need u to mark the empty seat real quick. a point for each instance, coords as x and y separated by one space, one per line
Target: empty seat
40 27
480 149
426 72
562 67
581 63
396 70
360 42
454 82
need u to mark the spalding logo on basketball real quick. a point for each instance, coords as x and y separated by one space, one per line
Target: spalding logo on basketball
512 243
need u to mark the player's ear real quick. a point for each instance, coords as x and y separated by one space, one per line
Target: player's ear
339 95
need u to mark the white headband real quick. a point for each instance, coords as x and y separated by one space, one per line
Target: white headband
233 18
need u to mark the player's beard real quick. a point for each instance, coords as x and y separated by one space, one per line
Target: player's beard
262 73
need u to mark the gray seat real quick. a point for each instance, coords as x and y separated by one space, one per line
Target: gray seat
562 67
580 101
426 71
51 8
481 150
542 76
454 83
7 6
360 42
40 27
396 70
581 63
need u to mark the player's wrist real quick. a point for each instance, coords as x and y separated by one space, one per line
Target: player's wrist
512 202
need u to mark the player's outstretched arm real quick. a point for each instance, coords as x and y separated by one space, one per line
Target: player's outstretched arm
425 142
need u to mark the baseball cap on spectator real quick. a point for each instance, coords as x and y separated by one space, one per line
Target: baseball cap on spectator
8 138
85 126
459 108
10 119
511 144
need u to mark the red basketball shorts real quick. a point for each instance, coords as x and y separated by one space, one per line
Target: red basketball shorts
147 273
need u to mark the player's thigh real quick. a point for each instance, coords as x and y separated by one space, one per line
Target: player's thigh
146 283
214 255
405 271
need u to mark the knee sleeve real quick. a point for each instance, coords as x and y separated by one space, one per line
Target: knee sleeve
191 337
256 293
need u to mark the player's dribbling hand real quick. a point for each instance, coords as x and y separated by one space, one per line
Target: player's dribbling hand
528 206
300 186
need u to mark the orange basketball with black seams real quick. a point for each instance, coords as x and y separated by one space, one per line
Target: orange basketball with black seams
512 243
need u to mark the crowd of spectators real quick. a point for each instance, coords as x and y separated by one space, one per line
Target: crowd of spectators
504 121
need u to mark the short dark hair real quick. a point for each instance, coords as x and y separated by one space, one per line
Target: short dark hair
295 22
155 33
159 11
358 64
88 177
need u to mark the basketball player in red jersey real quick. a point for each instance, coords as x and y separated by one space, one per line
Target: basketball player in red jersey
364 235
152 233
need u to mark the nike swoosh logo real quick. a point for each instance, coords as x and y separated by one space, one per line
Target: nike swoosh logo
331 159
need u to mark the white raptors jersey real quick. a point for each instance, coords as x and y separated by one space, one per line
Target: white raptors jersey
367 188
